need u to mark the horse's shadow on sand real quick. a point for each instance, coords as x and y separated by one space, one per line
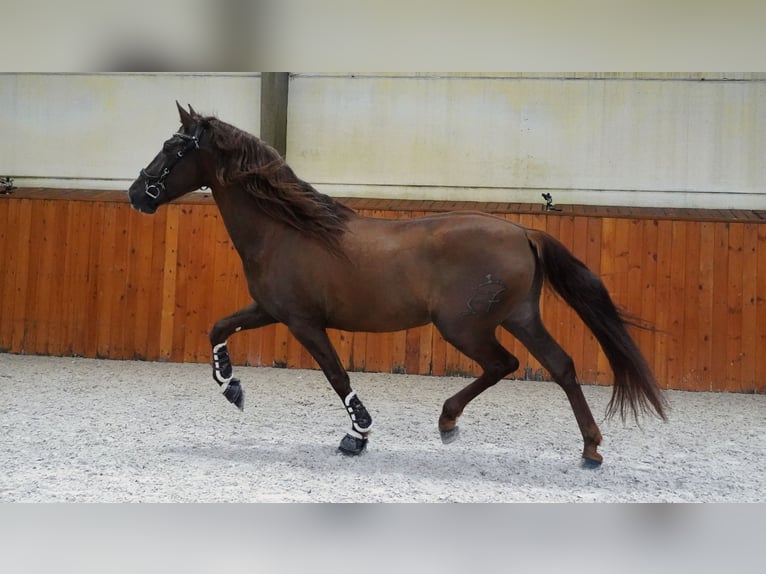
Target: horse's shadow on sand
451 462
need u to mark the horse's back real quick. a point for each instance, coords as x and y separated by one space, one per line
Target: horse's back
476 256
455 241
406 272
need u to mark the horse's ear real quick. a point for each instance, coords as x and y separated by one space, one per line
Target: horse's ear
192 112
186 118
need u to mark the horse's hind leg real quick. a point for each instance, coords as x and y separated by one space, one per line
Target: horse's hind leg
493 358
316 342
528 328
250 317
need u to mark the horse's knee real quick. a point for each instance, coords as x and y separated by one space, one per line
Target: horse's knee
215 334
220 331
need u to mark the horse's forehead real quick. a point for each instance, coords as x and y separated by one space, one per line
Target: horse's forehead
176 135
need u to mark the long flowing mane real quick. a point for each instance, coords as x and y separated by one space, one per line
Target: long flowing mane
249 162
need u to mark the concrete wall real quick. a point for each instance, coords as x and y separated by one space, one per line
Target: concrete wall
626 139
681 140
98 130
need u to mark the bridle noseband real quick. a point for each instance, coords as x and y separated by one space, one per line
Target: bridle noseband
155 184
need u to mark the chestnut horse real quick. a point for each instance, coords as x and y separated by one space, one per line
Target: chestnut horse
312 263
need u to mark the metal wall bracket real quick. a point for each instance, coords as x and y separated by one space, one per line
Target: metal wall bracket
549 203
6 183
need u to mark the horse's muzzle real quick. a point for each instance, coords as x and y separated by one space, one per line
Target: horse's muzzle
140 200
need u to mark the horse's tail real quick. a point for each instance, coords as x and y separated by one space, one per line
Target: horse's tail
635 388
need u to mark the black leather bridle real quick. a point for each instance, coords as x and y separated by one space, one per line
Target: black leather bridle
154 185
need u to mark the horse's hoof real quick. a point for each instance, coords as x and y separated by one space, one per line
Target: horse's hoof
450 435
590 464
235 394
352 445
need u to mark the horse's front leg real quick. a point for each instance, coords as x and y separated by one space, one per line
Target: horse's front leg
317 343
250 317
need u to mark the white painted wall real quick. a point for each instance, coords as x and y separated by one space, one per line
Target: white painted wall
618 140
99 130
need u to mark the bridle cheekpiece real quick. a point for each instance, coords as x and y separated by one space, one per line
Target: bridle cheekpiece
154 185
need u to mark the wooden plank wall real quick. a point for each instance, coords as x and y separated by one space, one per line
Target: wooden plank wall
84 275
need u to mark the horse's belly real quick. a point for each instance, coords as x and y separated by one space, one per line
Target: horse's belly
377 314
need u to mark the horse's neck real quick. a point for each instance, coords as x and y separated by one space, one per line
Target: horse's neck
248 227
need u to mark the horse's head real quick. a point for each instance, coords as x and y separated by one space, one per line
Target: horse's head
176 170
